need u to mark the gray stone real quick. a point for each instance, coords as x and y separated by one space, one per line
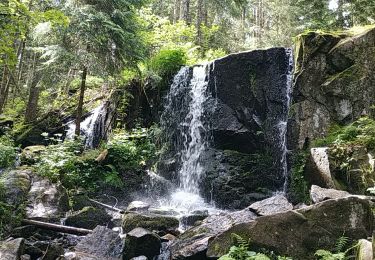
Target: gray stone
88 217
299 233
319 194
365 250
142 257
317 168
46 200
138 206
141 242
103 244
12 249
271 205
17 184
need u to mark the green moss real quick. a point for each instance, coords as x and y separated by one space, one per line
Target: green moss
299 188
151 222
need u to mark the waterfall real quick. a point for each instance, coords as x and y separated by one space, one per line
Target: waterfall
185 111
88 126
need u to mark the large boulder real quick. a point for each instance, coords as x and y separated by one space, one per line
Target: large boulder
333 83
88 217
31 154
46 200
319 194
12 249
300 233
365 250
246 111
150 221
194 242
317 168
102 243
16 184
141 242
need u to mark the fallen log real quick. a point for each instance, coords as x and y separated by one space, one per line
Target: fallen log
107 206
56 227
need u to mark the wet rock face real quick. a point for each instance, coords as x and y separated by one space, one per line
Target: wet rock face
88 217
141 242
334 83
299 233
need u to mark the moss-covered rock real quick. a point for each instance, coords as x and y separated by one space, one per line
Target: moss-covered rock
300 233
333 83
16 185
31 154
88 217
152 222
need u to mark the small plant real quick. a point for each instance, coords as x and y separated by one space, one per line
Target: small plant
341 251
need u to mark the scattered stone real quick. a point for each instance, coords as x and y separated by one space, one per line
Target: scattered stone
317 168
319 194
17 184
102 243
31 154
152 222
164 212
25 257
365 250
190 220
141 242
299 233
142 257
271 205
138 206
88 217
46 201
12 249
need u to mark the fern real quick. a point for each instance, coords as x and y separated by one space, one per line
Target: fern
341 243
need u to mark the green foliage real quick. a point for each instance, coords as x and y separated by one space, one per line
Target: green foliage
167 62
342 251
360 132
241 251
7 152
299 188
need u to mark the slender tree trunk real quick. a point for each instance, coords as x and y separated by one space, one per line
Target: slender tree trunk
205 12
4 88
340 15
177 10
199 23
185 11
243 23
80 101
32 104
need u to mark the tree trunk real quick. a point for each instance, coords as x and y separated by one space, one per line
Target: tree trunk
4 88
80 101
185 11
205 12
177 10
340 15
199 23
32 104
57 228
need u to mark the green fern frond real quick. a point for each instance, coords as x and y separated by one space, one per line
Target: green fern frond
341 243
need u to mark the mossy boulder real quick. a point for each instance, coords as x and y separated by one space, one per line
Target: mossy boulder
131 221
31 154
333 83
16 184
299 233
88 217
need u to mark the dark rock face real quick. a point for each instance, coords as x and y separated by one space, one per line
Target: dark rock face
299 233
103 243
246 113
141 242
334 83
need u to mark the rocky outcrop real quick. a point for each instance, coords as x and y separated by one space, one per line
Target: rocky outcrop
333 83
299 233
317 168
246 112
17 184
46 200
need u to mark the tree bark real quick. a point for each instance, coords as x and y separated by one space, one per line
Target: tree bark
185 11
4 88
80 101
177 10
199 23
58 228
32 104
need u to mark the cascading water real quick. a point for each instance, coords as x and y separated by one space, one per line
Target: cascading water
87 127
188 97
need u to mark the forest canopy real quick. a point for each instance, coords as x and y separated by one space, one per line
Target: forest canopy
57 53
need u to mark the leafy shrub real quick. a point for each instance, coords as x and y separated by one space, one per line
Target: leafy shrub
7 152
299 188
341 251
